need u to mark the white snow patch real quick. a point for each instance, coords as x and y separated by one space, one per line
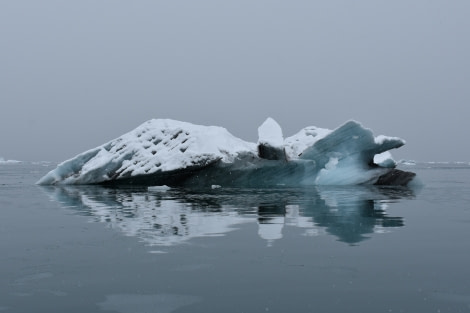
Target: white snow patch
304 139
270 133
381 139
158 145
162 188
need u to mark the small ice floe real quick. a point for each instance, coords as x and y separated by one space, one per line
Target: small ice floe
216 186
163 188
407 162
3 161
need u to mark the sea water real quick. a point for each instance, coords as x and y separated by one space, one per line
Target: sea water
322 249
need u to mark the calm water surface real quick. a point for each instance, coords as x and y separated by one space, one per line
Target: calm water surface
328 249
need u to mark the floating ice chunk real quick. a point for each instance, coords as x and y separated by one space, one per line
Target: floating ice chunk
3 161
172 153
162 188
409 162
216 186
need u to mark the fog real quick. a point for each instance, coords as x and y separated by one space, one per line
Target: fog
75 74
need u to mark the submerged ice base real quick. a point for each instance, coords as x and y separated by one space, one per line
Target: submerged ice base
173 153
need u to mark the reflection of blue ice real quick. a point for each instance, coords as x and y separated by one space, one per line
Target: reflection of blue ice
159 303
176 216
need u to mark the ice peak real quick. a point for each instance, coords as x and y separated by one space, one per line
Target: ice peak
271 141
270 133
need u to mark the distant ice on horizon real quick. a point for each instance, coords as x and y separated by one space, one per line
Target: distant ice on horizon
3 161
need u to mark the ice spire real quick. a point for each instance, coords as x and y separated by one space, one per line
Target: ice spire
271 141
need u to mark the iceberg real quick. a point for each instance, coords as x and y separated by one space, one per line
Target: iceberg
174 153
3 161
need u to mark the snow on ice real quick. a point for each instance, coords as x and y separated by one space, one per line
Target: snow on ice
173 153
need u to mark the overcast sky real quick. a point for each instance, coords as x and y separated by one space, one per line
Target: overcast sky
75 74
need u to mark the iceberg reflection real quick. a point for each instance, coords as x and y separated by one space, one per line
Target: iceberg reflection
166 218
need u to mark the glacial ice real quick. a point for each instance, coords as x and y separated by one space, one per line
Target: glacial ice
163 188
173 153
271 141
3 161
385 159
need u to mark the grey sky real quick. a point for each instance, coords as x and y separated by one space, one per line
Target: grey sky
75 74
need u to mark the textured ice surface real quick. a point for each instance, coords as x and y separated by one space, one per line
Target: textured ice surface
173 153
158 145
296 144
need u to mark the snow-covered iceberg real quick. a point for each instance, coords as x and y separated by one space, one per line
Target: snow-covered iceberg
174 153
